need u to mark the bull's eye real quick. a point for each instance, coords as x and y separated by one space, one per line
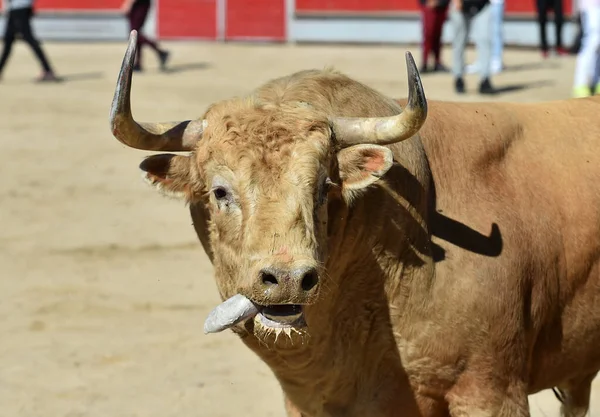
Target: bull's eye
220 193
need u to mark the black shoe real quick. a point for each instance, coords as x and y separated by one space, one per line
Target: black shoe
424 69
440 68
459 85
163 56
137 68
486 87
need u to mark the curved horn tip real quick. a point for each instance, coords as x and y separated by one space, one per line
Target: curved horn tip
416 93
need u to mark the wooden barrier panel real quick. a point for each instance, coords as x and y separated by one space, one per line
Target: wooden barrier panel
79 5
358 7
255 19
187 19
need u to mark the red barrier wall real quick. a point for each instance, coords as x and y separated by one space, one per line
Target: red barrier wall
361 6
258 19
187 19
84 5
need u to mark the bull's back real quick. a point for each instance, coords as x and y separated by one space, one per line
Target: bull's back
533 170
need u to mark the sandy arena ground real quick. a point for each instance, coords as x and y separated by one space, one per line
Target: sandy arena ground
104 287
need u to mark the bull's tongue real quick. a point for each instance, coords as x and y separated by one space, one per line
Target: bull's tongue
229 313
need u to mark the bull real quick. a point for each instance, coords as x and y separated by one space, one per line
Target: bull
394 257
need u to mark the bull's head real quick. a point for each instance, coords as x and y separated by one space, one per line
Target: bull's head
265 173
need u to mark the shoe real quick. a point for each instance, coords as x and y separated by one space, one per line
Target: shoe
163 56
439 67
486 87
582 91
48 76
459 85
561 51
545 54
137 68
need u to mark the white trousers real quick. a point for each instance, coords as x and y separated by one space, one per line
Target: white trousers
587 69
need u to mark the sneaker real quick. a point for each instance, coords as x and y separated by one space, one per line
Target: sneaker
163 56
582 91
137 68
424 69
561 51
486 87
459 85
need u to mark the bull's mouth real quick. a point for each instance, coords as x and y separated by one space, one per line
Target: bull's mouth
281 316
239 309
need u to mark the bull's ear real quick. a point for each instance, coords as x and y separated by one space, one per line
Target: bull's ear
362 165
170 174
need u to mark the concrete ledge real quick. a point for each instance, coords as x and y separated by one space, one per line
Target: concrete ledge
404 29
71 25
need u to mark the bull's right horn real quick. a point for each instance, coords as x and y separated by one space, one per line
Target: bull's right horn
167 137
387 130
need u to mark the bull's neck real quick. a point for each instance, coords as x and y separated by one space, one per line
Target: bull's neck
379 255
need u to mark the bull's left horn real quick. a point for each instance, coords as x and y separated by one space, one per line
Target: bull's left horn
387 130
166 137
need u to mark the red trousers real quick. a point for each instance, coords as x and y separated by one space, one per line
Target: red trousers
433 22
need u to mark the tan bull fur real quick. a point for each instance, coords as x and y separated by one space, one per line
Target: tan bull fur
461 281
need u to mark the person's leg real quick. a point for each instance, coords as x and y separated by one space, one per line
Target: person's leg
137 19
440 18
559 19
482 33
542 18
428 16
460 26
587 57
497 37
9 39
23 22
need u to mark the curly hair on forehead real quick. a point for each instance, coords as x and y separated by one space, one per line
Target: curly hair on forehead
252 123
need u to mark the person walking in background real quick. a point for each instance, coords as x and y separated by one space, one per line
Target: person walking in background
137 12
587 67
576 45
497 61
433 13
18 22
543 6
476 15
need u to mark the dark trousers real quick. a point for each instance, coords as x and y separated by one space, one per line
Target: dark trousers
433 23
543 6
137 18
19 23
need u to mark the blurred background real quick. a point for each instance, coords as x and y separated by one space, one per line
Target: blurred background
104 286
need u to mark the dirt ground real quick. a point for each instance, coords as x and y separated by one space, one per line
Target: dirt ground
104 287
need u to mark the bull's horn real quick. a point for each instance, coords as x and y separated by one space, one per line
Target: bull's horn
229 313
387 130
168 136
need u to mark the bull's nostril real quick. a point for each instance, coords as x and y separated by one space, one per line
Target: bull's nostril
268 279
309 281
